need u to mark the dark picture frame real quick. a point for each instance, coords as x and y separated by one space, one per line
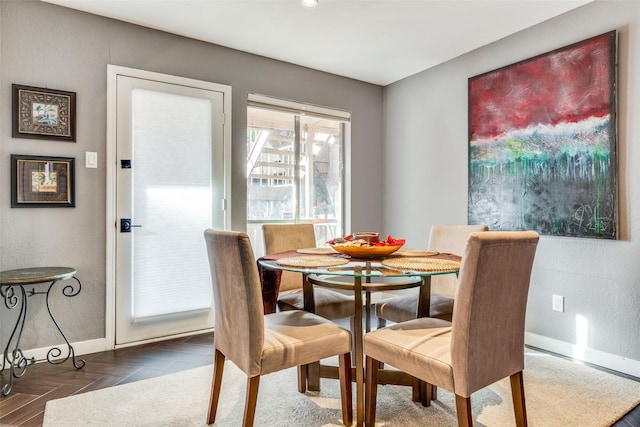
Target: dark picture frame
41 113
543 143
42 181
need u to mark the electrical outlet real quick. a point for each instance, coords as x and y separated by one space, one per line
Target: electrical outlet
557 303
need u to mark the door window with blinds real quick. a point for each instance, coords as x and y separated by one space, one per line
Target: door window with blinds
295 166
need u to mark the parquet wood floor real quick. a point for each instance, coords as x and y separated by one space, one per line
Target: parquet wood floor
24 406
43 381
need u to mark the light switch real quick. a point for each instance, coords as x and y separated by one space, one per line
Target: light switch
91 159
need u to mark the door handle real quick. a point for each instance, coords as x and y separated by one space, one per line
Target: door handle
125 225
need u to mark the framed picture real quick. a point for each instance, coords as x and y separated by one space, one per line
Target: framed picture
43 113
542 143
38 181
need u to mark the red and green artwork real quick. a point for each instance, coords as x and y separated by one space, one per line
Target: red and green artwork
542 143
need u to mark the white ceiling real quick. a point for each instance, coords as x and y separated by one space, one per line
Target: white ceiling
376 41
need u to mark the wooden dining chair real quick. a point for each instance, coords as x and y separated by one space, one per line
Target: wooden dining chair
485 340
260 344
288 237
444 238
327 303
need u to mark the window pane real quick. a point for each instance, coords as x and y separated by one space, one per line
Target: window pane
295 172
321 169
270 165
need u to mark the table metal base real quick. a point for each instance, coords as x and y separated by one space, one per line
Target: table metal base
17 295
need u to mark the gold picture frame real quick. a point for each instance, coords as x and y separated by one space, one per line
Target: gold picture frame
41 181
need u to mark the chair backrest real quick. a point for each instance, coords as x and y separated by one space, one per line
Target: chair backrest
237 296
288 237
449 238
487 341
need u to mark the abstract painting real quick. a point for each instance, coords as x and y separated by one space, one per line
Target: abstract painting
542 143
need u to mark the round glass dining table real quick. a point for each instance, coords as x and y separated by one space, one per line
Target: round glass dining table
360 277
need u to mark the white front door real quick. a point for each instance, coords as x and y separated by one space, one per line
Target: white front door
170 187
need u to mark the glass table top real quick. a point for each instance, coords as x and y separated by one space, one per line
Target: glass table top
363 269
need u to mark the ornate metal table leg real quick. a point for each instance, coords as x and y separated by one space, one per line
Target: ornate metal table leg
18 364
55 352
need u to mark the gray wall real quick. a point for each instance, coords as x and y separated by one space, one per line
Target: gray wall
425 134
426 142
50 46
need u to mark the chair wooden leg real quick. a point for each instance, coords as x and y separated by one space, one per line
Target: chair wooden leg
370 391
218 368
517 394
352 328
434 392
346 388
313 376
251 401
422 392
302 378
415 389
381 324
425 393
463 409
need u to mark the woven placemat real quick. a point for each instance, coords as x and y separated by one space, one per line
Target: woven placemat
312 261
317 251
414 253
421 264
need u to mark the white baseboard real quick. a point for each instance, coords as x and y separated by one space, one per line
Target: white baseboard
596 357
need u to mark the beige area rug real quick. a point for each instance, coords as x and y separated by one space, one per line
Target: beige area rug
558 393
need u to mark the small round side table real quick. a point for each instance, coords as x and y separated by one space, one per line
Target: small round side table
13 289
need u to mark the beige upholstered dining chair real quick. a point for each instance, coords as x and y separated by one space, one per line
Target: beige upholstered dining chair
287 237
260 344
444 238
485 341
